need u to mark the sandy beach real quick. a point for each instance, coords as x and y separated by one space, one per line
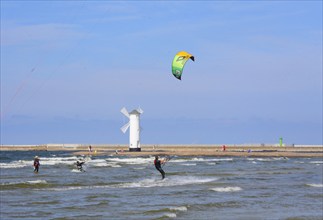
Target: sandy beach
180 150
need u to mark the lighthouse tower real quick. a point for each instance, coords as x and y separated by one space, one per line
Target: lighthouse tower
134 124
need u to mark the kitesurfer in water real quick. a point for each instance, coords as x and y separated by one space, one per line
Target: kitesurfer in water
158 164
79 165
36 164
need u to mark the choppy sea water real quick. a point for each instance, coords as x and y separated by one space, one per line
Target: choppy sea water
123 187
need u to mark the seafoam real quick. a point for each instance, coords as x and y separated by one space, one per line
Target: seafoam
227 189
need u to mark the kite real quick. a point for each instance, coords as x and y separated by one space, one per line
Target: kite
179 62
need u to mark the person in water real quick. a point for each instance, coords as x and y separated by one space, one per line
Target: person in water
158 164
79 165
36 164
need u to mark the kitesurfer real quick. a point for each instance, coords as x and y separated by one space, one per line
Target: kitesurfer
36 164
158 164
79 165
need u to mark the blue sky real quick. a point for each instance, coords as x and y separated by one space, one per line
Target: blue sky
68 67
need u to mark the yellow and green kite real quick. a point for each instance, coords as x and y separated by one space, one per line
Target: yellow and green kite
179 62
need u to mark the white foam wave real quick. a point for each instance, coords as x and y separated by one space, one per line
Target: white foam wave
317 162
180 208
58 160
26 182
37 182
173 181
48 161
118 162
68 188
170 215
196 159
97 163
14 164
101 165
315 185
279 158
262 159
226 189
136 160
114 165
76 171
188 164
211 159
146 183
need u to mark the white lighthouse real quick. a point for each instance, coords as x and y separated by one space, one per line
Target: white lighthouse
134 124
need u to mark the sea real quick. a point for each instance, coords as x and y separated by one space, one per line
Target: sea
122 187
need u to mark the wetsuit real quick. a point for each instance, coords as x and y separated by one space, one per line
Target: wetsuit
36 165
79 165
158 167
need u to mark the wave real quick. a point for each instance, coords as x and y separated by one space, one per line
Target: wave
136 160
317 162
48 161
24 184
118 162
76 171
226 189
263 159
52 161
58 160
179 208
97 163
114 165
168 209
14 164
109 162
145 183
315 185
68 188
188 164
198 159
172 181
170 215
37 182
166 212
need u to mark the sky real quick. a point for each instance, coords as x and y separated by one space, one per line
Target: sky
69 67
